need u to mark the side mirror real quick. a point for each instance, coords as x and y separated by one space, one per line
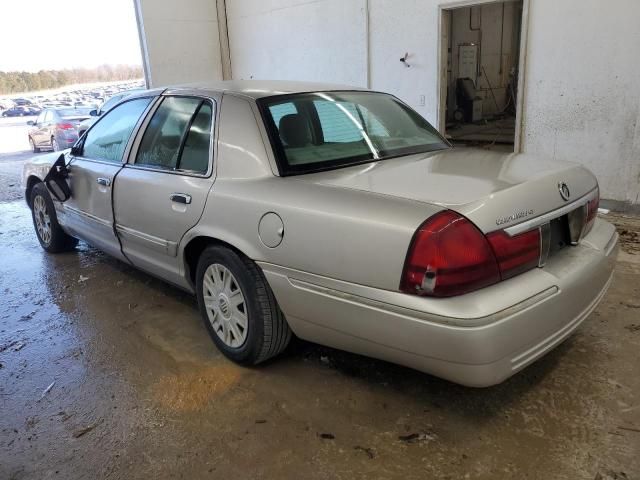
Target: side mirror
31 123
93 113
56 180
76 150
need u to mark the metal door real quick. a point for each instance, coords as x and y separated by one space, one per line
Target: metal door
156 203
89 211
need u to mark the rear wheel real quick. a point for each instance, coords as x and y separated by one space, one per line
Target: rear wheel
54 144
33 146
50 234
238 307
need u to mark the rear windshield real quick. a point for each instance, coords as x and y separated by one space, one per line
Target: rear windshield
74 112
318 131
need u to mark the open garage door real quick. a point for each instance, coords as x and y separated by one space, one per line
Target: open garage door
481 53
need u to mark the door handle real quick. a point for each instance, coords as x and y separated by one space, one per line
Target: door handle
181 198
105 182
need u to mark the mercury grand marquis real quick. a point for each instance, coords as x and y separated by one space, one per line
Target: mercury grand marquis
339 215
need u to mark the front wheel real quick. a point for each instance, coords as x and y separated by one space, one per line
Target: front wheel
50 234
34 149
238 307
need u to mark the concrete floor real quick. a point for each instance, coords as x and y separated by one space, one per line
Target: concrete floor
106 372
486 132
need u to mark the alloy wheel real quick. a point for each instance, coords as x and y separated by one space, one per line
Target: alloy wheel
43 221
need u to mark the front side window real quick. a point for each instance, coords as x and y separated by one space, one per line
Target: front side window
178 136
324 130
108 105
108 138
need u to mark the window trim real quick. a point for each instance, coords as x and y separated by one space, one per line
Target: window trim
129 145
286 170
133 154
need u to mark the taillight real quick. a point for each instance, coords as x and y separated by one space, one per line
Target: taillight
65 126
448 256
592 211
515 254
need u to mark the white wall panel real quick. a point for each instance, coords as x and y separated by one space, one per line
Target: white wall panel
320 40
581 78
182 42
582 82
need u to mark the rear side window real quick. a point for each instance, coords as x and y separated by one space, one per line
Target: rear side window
108 138
178 136
195 154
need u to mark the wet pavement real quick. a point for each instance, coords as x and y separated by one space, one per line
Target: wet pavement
106 372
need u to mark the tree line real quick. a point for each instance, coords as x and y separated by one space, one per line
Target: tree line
16 82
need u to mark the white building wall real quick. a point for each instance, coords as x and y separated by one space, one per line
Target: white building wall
180 41
581 77
582 83
298 39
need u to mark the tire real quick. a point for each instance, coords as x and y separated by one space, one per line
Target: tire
54 144
33 146
49 232
266 332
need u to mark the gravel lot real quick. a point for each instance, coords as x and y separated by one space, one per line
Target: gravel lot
106 372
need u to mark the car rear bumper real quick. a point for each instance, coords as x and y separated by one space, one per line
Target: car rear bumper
478 339
66 140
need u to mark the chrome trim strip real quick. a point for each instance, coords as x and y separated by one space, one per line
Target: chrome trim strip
423 316
545 243
611 244
547 217
80 213
171 248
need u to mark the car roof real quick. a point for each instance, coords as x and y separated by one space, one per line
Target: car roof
261 88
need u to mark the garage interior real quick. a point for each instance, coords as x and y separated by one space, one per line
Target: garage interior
482 58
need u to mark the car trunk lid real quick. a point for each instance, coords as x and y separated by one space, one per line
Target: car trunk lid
494 190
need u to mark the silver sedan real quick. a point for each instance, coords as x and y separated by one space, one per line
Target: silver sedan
338 215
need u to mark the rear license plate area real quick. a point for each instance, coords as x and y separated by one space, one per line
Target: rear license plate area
560 236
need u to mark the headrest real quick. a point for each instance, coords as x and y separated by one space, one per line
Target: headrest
294 130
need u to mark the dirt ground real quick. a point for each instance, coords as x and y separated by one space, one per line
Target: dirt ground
106 372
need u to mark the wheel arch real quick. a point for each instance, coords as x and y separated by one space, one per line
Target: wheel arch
32 181
195 245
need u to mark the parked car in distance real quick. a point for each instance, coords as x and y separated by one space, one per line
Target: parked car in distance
106 106
16 112
33 110
56 128
22 101
339 215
